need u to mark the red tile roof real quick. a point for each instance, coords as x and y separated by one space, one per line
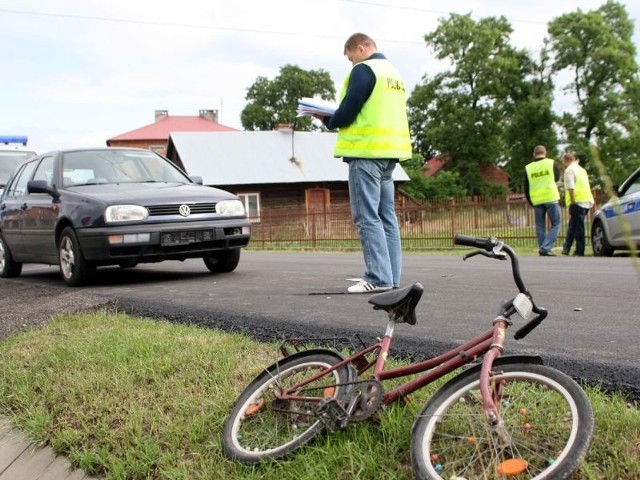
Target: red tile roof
433 166
490 173
161 129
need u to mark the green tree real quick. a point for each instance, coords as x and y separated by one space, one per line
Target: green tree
272 102
597 50
421 187
528 118
492 107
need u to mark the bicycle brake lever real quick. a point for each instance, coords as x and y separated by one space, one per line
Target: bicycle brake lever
493 254
474 253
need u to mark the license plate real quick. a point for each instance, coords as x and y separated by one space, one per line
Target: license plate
185 238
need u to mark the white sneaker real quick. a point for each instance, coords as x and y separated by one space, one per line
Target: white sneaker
366 287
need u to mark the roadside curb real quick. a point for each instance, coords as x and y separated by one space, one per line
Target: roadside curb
20 459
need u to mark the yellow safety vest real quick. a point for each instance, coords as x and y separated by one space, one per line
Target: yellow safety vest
542 182
582 191
381 129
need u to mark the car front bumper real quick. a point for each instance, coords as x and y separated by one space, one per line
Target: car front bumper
162 241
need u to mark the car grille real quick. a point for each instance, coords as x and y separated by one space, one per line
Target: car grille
174 209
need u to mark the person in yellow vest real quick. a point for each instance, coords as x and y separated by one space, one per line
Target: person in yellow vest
541 190
579 200
373 136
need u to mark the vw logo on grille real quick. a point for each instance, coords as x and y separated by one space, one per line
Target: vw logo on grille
184 210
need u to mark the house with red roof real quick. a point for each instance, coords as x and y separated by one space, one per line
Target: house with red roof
156 135
490 173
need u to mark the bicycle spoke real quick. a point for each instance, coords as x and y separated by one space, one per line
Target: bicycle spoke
537 430
266 424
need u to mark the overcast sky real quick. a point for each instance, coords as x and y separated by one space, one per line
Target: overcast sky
75 73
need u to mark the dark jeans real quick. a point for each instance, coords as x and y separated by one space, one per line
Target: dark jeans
546 239
576 229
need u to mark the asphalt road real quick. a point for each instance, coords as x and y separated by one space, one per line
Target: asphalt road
592 331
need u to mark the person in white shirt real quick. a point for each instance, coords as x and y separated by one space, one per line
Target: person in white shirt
579 200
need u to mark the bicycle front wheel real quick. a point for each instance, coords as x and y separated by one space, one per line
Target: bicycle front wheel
263 427
546 430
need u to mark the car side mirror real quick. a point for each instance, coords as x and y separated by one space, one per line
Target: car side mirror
197 180
41 186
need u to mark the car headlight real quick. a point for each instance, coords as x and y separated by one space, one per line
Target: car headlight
230 208
125 213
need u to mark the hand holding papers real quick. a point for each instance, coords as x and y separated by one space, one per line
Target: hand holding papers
314 106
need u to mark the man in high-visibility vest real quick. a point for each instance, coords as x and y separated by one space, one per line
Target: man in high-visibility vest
579 200
373 136
542 193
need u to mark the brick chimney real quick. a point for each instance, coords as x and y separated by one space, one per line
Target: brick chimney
161 114
211 115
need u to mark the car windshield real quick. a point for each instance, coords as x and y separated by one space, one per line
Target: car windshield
9 160
91 167
634 187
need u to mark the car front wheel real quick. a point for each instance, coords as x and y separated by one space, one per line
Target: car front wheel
222 262
599 242
74 269
9 268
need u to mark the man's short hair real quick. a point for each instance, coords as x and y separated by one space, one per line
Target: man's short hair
540 151
358 39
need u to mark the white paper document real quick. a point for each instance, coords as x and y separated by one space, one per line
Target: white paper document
315 106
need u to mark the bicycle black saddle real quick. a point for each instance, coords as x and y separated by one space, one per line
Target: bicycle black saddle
399 303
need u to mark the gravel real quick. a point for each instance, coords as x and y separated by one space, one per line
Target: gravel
26 306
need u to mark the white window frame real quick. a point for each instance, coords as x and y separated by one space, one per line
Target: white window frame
253 217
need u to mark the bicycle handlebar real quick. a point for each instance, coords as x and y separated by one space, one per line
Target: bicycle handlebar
484 243
493 248
531 324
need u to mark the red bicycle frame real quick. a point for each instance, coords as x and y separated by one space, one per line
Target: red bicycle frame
490 343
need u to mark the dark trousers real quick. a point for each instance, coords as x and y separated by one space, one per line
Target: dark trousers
576 229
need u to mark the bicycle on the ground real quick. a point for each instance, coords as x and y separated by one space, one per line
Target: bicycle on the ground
502 417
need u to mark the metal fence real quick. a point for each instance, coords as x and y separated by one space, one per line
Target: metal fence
426 227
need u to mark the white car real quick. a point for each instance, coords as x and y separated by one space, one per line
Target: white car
616 225
13 151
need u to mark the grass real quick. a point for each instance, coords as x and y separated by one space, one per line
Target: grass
132 398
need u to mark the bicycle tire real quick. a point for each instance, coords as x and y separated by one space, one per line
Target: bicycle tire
260 427
547 418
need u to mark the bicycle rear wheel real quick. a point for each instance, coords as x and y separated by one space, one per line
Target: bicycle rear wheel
547 427
262 427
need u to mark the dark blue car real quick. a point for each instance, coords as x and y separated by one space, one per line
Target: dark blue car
81 209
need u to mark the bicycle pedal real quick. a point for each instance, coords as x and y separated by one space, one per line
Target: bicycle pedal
332 414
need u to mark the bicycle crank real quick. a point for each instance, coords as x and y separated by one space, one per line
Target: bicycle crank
360 402
363 399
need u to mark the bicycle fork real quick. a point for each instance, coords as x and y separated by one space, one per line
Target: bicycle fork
490 392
